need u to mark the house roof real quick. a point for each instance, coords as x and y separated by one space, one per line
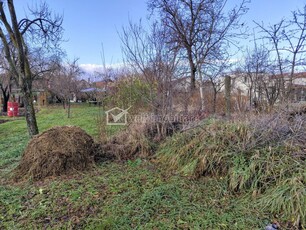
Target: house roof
93 90
103 84
287 75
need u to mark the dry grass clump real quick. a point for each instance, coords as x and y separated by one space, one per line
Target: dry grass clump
278 129
137 140
57 151
264 155
205 150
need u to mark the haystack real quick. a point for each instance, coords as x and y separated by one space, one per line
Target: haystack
57 151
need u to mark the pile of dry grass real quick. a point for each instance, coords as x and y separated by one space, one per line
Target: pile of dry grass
138 140
57 151
135 141
295 110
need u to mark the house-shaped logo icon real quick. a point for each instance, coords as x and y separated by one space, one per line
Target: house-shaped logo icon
116 116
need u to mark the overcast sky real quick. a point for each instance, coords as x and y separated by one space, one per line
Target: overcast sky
91 23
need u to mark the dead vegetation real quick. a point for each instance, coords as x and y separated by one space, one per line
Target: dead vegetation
57 151
137 140
264 155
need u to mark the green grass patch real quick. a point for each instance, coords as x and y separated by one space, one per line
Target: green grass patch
125 196
82 116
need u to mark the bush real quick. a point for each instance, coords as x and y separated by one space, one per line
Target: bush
131 92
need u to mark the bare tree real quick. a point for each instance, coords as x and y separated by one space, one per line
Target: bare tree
20 38
212 47
214 76
259 75
197 27
152 58
64 83
5 83
287 38
295 37
5 87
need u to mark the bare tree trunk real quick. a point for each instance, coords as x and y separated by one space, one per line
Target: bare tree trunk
68 108
214 101
202 97
5 101
201 90
193 70
290 86
250 97
6 96
30 113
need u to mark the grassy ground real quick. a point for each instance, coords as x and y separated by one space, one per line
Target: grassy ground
131 195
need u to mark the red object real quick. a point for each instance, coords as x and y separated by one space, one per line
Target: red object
12 109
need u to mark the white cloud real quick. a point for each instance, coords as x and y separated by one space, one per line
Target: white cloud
92 71
92 68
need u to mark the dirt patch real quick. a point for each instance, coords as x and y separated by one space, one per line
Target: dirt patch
57 151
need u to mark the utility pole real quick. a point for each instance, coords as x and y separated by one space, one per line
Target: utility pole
228 95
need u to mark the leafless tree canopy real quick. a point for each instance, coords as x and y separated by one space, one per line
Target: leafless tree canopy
150 56
259 75
286 42
64 82
25 42
198 28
